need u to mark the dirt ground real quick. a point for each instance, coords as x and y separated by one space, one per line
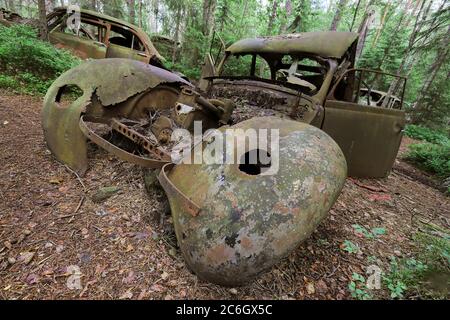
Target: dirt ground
56 243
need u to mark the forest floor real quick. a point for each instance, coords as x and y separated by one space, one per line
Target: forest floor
56 243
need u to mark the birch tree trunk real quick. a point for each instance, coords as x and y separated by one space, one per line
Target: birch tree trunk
363 29
338 14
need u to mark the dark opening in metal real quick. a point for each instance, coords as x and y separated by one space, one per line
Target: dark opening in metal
68 94
254 162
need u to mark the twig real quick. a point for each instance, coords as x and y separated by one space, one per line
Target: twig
78 177
75 212
371 188
45 259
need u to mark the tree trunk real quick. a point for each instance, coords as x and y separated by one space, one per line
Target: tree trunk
131 11
93 5
338 14
242 25
140 14
177 33
272 17
407 60
382 22
288 8
354 15
11 6
441 56
42 20
363 30
209 8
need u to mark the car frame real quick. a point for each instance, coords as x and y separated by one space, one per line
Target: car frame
369 136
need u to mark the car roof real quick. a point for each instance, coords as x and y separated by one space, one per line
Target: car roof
123 23
328 44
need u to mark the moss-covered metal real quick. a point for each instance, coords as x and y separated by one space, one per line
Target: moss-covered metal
247 223
327 44
110 88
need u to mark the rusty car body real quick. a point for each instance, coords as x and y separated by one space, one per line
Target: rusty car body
376 98
8 18
230 224
232 221
101 36
311 77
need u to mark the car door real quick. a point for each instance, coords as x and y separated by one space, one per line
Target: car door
87 42
369 136
124 43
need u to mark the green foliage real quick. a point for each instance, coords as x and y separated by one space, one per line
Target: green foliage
372 234
28 64
432 157
358 288
350 247
427 274
426 134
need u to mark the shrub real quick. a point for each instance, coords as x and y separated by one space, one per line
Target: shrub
27 63
432 157
426 134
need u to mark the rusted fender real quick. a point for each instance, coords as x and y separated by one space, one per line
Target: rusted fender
111 82
247 223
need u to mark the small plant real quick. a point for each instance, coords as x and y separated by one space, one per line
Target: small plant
372 234
350 247
358 288
427 274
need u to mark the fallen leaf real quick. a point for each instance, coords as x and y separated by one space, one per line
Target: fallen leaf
310 288
47 272
129 278
26 257
127 295
164 275
55 180
63 189
233 291
7 244
74 280
32 279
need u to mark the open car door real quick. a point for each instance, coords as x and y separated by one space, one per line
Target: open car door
369 136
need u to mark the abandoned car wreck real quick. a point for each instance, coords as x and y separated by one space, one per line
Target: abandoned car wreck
232 220
311 77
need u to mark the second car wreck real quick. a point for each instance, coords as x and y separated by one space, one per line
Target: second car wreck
311 77
232 220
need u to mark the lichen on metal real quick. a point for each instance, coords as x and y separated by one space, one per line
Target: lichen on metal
111 88
247 223
328 44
